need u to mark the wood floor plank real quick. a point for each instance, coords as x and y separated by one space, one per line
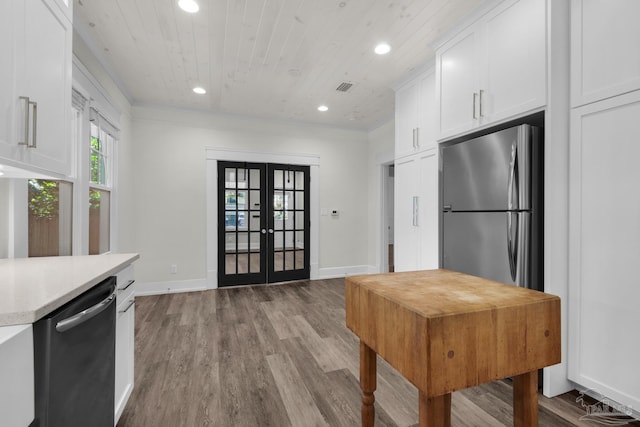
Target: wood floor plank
298 402
281 356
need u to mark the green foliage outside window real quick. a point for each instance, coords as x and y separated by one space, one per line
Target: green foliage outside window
97 161
94 199
43 198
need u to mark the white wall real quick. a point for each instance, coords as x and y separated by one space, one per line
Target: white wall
379 151
4 218
170 173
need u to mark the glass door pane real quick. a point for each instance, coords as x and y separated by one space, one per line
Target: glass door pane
240 201
289 222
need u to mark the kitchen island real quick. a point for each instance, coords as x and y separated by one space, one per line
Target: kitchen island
30 289
445 331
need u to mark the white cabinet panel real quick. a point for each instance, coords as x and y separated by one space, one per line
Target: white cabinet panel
406 245
605 248
39 68
16 374
493 70
605 59
516 65
125 339
416 212
406 119
416 115
458 77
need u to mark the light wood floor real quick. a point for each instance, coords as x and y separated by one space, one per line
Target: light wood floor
280 355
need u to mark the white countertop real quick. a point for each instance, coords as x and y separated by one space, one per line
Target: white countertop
30 288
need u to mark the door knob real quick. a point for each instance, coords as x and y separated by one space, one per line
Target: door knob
271 231
263 231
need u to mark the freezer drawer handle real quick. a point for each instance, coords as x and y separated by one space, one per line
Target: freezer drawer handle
83 316
512 244
129 283
129 306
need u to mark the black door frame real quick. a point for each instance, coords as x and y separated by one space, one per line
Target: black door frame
267 229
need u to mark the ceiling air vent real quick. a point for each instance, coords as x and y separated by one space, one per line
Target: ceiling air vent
344 86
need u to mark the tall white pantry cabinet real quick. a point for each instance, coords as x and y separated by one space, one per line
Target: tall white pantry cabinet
416 175
604 293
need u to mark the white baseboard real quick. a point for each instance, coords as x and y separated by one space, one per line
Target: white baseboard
156 288
335 272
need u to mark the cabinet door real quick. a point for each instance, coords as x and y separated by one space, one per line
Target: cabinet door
457 78
406 245
426 120
45 77
8 26
125 322
605 59
406 119
516 60
428 217
605 248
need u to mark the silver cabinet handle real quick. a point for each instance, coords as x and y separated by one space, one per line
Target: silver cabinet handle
414 221
475 96
27 107
129 283
480 103
413 137
27 104
263 231
131 303
83 316
417 137
35 124
271 231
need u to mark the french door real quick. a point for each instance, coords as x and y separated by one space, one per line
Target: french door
263 223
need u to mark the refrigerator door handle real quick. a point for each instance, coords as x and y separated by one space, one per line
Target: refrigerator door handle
512 244
512 186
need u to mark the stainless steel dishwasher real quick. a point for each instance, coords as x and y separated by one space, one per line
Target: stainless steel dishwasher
74 361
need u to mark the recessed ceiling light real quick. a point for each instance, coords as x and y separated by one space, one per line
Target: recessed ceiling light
382 49
323 108
188 6
199 90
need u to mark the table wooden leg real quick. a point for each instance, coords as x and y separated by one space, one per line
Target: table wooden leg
367 383
525 399
435 411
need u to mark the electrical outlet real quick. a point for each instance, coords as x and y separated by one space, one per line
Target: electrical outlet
173 269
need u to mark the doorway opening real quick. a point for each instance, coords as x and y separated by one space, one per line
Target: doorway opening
263 222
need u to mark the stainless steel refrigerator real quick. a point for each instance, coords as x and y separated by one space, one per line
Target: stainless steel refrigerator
491 197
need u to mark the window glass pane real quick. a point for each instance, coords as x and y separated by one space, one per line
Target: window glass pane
99 221
50 219
255 178
277 179
289 177
299 180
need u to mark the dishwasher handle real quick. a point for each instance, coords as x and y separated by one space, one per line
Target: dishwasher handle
83 316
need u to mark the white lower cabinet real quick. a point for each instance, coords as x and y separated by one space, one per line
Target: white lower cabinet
16 376
605 248
416 236
125 334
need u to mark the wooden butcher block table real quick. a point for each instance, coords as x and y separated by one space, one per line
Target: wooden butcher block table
446 331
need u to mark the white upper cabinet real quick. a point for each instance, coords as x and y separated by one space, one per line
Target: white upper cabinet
415 115
36 86
494 69
605 59
458 78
